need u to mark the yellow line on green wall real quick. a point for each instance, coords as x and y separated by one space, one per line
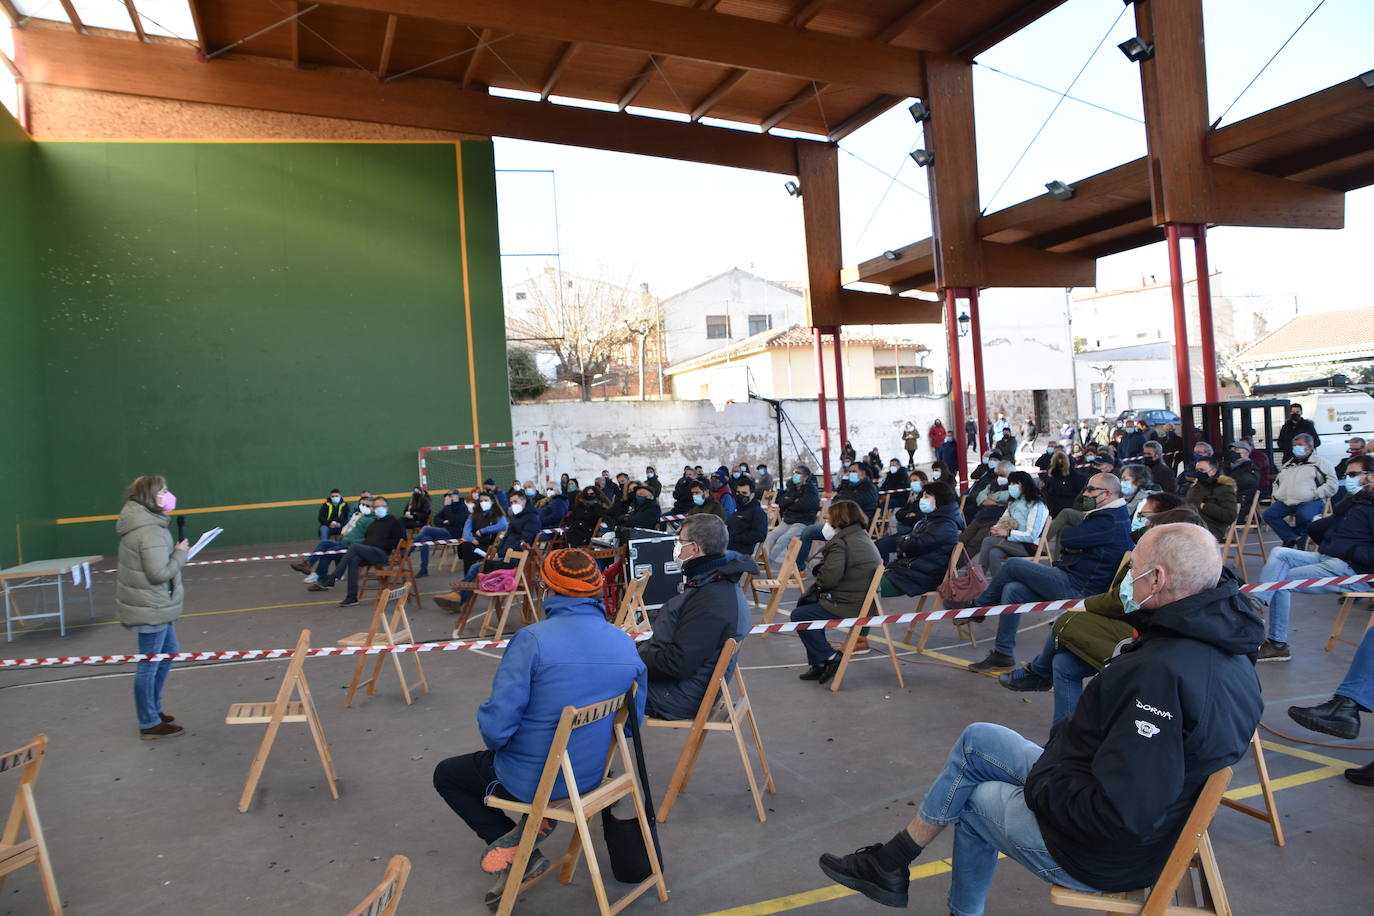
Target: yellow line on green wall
467 304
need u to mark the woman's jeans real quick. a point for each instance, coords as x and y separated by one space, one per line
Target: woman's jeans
150 676
1286 563
430 533
981 791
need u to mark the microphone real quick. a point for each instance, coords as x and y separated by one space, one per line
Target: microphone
181 527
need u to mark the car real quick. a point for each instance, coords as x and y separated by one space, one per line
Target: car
1154 417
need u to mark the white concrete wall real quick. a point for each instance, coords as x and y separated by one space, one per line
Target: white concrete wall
738 294
585 437
1134 375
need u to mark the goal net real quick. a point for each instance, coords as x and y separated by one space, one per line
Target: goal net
448 467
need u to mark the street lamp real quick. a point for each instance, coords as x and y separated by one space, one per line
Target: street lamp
964 321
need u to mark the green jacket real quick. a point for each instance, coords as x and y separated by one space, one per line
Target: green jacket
845 570
1215 500
710 507
148 562
356 529
1094 633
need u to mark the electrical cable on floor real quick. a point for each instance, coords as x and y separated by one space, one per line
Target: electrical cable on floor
1337 747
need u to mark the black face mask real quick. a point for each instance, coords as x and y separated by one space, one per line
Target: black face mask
741 498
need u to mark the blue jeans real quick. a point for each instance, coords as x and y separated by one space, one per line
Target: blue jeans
1287 563
430 533
1067 671
1276 517
322 564
809 533
981 791
1359 680
818 648
1018 581
150 676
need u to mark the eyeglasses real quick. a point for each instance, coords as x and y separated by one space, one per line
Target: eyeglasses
1095 490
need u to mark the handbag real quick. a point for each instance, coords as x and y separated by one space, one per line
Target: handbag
501 580
965 585
624 840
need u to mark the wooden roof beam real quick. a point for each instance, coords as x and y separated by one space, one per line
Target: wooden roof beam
483 39
1312 109
12 14
632 91
388 42
786 108
77 24
559 66
802 14
135 20
294 35
200 29
685 32
171 72
908 20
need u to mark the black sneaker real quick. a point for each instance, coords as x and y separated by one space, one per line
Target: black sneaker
538 864
1270 651
813 673
861 871
1024 680
993 661
1361 776
349 601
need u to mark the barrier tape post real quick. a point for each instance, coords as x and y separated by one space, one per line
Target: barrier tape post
1061 604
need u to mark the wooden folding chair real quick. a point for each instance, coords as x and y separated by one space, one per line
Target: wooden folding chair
397 570
1230 547
1270 813
499 603
386 896
384 631
1253 525
1042 547
632 613
878 522
578 807
1348 600
14 852
765 567
284 709
788 577
937 603
719 711
1190 881
872 605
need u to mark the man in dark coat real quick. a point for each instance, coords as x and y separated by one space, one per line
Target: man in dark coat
1160 469
1294 425
748 524
1246 476
1100 807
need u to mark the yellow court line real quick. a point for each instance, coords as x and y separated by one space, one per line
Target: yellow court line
283 504
1302 754
823 894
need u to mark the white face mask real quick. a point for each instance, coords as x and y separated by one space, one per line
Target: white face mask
486 505
336 499
551 493
381 511
827 531
678 548
365 510
517 508
934 475
1001 481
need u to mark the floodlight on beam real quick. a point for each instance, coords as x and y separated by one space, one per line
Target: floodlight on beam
1059 190
892 255
1367 78
922 157
793 188
1137 50
920 111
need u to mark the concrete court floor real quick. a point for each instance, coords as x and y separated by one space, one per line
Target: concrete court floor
151 827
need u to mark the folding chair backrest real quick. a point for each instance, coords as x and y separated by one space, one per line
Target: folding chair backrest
1042 546
14 852
30 757
1125 561
955 555
386 896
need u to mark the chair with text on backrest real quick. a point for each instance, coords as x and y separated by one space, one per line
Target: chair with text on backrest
1189 883
284 709
386 896
578 807
872 605
720 710
14 852
788 577
633 613
385 631
937 603
397 570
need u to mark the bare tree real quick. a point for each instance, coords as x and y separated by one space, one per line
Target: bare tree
1244 376
585 323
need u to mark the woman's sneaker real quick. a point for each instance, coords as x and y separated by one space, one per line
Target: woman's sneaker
500 852
312 579
1270 651
538 864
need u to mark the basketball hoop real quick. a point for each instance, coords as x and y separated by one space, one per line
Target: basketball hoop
728 385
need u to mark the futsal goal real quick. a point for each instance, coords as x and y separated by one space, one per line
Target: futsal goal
448 467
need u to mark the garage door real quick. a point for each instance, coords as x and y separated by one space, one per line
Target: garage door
1148 402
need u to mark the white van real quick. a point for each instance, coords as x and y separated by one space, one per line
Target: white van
1338 415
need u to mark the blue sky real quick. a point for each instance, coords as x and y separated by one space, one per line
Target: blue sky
635 219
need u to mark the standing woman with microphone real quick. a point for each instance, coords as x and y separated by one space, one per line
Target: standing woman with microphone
148 594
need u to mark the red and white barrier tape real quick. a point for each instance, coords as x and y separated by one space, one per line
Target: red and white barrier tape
1032 607
310 554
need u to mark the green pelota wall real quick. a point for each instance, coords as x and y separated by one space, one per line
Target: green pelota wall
259 322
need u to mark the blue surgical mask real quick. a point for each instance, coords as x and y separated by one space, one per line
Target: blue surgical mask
530 491
736 475
1127 489
650 476
927 505
1126 592
915 486
1351 484
991 462
796 478
1014 491
1299 451
854 478
1139 522
699 498
380 511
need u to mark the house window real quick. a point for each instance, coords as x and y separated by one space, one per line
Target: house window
759 323
1104 399
520 296
906 385
717 327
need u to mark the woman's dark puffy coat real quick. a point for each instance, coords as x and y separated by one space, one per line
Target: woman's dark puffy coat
586 513
1060 491
923 555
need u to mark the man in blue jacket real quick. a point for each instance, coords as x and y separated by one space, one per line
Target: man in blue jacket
1100 807
571 658
1089 554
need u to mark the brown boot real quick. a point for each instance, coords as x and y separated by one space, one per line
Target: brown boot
452 602
163 730
861 646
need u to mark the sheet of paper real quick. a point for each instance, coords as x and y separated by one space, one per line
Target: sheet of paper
480 552
204 542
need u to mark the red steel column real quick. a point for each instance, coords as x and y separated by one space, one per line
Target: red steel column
956 387
1182 371
820 402
1204 314
980 392
839 385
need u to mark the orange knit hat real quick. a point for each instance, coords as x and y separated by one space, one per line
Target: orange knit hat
572 572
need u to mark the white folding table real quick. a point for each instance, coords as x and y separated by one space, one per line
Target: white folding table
43 574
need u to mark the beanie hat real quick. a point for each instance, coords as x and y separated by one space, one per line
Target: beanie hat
572 572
